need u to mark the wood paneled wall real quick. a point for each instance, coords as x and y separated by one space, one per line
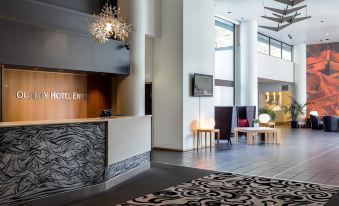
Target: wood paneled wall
97 87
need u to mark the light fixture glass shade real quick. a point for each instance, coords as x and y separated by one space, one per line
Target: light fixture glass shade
315 113
108 24
264 118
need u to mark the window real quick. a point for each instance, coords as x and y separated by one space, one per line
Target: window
287 52
224 62
263 44
224 37
275 47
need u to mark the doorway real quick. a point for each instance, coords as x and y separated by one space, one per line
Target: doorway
148 98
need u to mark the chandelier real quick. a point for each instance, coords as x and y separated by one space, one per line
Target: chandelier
108 25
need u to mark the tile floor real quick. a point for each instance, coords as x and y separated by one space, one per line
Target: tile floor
304 155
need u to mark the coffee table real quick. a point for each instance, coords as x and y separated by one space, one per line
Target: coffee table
250 131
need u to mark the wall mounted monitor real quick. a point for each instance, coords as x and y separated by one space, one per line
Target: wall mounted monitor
202 85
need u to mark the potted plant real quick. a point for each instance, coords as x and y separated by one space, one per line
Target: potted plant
256 122
294 110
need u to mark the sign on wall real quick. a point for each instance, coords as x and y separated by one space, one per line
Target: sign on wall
51 95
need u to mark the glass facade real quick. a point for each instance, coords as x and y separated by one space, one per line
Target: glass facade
224 62
287 52
263 44
273 47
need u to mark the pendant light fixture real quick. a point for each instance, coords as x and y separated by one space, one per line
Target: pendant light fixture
108 24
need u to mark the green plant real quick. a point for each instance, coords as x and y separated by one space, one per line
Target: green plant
266 110
256 121
295 109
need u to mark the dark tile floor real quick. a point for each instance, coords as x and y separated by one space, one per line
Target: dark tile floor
304 155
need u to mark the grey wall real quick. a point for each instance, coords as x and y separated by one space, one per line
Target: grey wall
36 33
273 87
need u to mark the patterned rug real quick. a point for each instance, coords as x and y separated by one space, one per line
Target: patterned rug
230 189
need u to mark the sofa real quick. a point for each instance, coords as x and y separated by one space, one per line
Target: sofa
331 123
316 123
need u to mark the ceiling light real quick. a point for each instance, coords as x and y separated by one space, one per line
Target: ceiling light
229 12
326 34
287 16
327 39
322 21
108 24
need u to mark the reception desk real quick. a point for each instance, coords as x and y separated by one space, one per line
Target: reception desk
46 158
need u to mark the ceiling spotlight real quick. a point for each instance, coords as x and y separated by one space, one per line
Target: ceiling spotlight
327 39
322 21
326 34
229 12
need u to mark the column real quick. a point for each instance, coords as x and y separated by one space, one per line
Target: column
299 58
131 89
248 77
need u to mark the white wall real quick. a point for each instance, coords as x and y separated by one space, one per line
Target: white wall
198 57
274 68
149 59
185 46
168 77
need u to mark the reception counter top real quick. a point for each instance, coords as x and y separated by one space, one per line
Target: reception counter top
43 158
61 121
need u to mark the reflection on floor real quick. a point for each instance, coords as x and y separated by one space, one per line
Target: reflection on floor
304 155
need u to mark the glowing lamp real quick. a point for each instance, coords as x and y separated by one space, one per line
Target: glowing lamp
210 123
314 113
264 118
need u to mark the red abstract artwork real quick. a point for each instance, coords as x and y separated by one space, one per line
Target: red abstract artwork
323 78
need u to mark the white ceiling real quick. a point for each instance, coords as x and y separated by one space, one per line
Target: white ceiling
311 30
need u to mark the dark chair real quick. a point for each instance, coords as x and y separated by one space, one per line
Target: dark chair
223 121
331 123
245 116
316 123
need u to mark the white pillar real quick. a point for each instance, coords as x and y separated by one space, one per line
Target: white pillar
299 58
248 81
131 89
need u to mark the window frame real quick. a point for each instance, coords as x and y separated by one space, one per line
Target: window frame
224 21
281 47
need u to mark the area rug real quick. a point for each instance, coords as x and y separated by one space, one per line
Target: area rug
230 189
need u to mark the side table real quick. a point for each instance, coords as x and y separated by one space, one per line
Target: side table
210 132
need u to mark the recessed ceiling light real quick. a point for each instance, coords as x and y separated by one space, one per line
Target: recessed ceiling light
327 39
322 21
326 34
229 12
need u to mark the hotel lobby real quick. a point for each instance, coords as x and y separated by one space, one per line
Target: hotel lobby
169 102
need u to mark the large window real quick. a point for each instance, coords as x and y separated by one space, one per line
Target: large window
224 62
274 47
263 44
287 52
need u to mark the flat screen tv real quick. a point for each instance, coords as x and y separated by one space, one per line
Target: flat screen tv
202 85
